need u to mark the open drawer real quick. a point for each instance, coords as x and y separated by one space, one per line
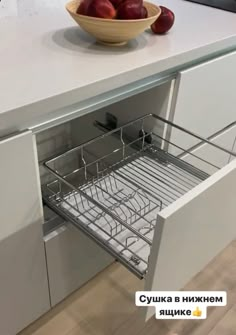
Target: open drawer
159 214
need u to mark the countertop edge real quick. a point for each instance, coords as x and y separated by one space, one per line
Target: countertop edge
38 112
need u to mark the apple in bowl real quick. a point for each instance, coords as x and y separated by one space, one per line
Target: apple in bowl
97 8
113 9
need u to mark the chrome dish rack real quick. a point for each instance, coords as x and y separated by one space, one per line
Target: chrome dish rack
114 186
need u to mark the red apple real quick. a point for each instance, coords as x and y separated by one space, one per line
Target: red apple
116 3
83 7
144 12
130 10
164 22
101 8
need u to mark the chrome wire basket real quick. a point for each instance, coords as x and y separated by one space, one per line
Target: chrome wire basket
114 186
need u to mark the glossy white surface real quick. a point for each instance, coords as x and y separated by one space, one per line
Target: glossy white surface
206 99
202 222
47 62
24 285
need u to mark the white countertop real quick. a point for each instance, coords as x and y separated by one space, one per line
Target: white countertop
47 62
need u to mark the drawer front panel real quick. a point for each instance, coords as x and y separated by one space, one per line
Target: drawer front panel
217 158
205 98
194 230
72 260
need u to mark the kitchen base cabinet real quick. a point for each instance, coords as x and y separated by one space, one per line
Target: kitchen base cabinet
121 194
24 293
72 260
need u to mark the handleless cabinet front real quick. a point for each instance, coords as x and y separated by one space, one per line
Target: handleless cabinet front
205 98
226 139
72 260
192 231
23 277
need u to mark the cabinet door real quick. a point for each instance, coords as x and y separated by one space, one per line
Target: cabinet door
23 278
205 99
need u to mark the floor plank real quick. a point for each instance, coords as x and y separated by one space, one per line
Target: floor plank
226 326
105 305
219 275
55 322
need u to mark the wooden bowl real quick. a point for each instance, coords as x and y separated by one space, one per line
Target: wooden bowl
113 32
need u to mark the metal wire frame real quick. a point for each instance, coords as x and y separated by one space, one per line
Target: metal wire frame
100 223
117 205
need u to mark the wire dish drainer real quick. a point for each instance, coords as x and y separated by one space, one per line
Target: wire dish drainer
114 187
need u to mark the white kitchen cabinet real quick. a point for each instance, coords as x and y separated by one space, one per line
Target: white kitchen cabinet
179 213
72 260
205 98
23 278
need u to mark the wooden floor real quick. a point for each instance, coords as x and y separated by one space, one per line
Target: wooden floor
105 306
